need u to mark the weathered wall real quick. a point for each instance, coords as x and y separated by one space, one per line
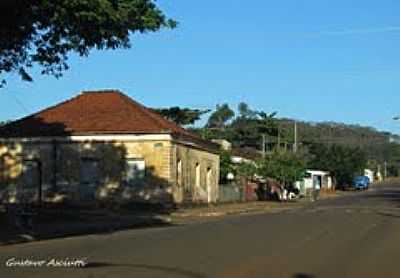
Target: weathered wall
9 170
160 184
64 159
156 154
11 162
186 190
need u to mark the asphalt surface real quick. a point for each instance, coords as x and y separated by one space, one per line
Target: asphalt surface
356 235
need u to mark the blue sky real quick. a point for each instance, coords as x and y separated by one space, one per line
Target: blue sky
314 60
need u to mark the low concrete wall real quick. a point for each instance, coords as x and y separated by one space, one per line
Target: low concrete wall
230 194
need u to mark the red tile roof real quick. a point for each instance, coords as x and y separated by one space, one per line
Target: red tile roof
97 112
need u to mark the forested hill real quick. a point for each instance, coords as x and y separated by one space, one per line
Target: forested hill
338 133
378 145
247 128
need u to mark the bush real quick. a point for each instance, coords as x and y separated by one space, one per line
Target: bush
285 167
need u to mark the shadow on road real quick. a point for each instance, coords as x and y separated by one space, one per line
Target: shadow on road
387 194
388 214
58 222
171 270
303 275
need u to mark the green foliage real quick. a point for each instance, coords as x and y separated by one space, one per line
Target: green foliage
246 170
246 130
285 167
220 116
249 128
182 116
45 32
392 157
393 169
375 144
344 163
226 166
363 143
245 112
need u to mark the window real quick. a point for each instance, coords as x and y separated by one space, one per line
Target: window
30 181
209 184
179 173
89 171
135 170
197 181
209 177
30 174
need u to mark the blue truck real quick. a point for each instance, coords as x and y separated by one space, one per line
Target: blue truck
361 183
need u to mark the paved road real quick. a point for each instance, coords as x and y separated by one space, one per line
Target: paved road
357 235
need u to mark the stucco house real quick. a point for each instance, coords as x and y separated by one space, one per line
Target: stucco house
370 174
314 177
101 145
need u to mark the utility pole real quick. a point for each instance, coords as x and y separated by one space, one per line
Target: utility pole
295 137
264 142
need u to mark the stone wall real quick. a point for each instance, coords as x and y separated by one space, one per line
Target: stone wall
188 189
61 170
61 176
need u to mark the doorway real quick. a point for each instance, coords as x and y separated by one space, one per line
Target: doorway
30 189
209 185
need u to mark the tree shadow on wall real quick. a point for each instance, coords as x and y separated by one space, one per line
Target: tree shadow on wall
78 188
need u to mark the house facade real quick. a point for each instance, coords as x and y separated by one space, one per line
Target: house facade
313 178
370 174
102 146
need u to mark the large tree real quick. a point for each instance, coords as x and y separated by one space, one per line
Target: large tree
45 32
245 111
343 162
251 125
182 116
219 118
285 167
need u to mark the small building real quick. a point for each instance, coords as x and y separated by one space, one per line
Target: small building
239 155
103 145
314 178
370 174
224 144
245 155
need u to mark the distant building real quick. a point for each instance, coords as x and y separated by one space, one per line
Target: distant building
314 177
224 144
239 155
370 174
394 139
102 145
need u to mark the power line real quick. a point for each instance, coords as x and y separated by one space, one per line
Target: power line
19 103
